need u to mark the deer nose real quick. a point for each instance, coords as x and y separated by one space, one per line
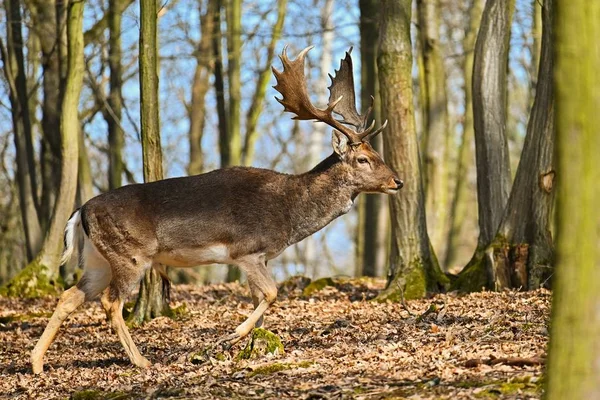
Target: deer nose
399 183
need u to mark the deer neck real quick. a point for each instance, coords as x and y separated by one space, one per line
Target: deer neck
320 195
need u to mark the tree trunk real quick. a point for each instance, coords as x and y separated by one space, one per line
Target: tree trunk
200 86
38 276
521 253
574 359
233 16
491 146
153 297
414 270
220 87
261 87
435 121
15 73
463 200
46 27
374 229
114 110
489 112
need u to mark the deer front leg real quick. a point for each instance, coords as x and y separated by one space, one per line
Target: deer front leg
264 293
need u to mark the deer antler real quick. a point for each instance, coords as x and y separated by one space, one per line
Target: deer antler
342 84
291 83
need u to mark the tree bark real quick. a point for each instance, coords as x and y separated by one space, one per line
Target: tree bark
435 134
489 112
413 270
463 201
200 86
113 113
153 297
574 359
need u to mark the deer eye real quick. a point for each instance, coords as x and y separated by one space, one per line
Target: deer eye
362 160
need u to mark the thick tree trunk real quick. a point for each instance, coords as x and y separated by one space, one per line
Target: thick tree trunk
491 146
463 200
200 86
114 110
38 276
521 253
489 112
574 356
153 297
374 229
435 134
47 29
414 270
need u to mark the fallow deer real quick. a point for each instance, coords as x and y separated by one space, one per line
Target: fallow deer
239 216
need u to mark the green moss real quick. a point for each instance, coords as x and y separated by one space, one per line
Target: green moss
261 342
90 394
276 367
180 311
32 282
23 317
473 277
414 284
317 285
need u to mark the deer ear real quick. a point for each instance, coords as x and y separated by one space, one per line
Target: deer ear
339 142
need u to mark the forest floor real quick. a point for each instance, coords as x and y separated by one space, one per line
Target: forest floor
338 345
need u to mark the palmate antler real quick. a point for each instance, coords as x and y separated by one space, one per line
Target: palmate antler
291 83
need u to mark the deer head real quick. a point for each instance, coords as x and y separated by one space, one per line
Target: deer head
350 139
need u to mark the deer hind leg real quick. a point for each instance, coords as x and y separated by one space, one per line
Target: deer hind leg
264 292
122 284
95 278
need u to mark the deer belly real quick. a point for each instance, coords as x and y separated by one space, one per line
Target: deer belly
189 257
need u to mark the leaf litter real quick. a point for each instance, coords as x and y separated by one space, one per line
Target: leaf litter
338 345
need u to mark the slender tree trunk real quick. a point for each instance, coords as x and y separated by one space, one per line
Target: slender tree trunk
317 138
435 121
222 112
86 184
153 297
261 87
38 276
114 110
414 270
574 356
233 16
463 201
200 86
14 71
374 230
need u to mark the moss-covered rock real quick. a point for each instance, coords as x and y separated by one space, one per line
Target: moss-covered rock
317 285
294 284
32 282
262 342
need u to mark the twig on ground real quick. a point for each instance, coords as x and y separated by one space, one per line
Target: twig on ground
512 361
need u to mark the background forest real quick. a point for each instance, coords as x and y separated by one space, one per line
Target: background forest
216 109
492 108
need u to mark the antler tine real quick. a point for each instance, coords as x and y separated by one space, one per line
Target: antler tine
291 83
368 135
